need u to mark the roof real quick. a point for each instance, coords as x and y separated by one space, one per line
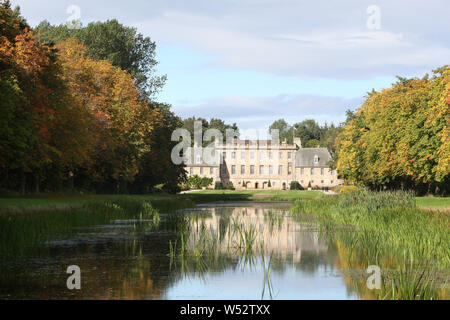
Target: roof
305 157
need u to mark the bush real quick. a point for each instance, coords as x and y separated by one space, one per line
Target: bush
295 185
349 190
172 188
230 186
197 182
218 186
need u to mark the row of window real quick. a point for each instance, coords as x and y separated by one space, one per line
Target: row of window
202 171
262 155
262 170
313 183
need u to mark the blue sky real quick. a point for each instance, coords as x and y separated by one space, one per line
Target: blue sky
255 61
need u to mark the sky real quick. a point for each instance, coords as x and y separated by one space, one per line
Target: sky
252 62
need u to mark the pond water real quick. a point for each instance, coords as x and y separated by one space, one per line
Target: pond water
247 251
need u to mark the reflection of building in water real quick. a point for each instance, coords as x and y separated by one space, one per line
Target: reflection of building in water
274 231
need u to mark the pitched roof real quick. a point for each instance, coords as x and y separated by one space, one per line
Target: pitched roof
305 157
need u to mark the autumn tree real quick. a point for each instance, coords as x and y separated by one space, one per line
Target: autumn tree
399 137
122 46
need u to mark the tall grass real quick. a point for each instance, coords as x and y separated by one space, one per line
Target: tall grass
378 228
26 233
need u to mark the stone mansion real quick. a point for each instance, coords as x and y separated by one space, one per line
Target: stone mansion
263 165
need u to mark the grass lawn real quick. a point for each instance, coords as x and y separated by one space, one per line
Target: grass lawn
32 203
434 203
268 195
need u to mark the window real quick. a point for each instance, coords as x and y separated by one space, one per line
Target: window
334 173
252 169
303 172
201 170
262 155
322 171
289 168
322 182
261 169
280 170
242 169
312 182
289 155
281 155
312 172
224 155
271 170
252 155
332 182
233 170
199 159
243 155
211 171
191 171
271 155
233 155
316 159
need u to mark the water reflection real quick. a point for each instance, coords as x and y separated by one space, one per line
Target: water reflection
213 252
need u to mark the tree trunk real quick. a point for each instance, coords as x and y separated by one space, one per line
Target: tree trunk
23 183
36 183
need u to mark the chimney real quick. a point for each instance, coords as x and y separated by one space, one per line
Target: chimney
298 142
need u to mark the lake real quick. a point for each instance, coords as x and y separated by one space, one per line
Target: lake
245 251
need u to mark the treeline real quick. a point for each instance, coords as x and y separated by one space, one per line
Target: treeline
313 135
77 110
217 124
400 137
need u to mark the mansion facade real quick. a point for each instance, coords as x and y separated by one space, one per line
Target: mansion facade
254 165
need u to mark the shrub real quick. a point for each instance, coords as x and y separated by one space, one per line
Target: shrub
218 186
349 190
295 185
230 186
197 182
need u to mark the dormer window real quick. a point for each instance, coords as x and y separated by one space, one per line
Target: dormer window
316 159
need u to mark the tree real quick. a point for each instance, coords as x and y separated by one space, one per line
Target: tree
286 132
308 130
122 46
399 137
120 121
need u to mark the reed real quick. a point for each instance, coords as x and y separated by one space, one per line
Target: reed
378 228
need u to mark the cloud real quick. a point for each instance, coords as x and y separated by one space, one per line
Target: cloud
320 45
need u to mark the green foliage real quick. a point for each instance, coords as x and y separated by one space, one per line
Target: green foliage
310 132
218 186
197 182
295 185
399 138
123 46
217 124
230 186
349 189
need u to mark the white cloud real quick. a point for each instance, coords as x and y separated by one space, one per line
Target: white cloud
327 52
